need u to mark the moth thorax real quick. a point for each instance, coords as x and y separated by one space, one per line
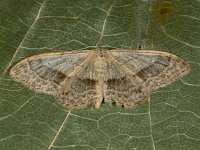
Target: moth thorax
100 66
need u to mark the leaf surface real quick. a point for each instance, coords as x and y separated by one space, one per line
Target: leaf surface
170 120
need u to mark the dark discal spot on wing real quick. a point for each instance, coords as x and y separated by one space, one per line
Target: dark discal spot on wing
113 83
88 81
119 84
154 69
81 85
84 85
59 77
45 72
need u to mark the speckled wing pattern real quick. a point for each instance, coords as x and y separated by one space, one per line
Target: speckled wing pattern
155 68
141 71
61 75
79 79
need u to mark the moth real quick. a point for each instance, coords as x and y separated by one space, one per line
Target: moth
78 79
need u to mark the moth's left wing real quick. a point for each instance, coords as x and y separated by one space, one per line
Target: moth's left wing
45 73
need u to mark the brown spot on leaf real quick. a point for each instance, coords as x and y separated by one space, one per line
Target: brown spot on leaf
164 10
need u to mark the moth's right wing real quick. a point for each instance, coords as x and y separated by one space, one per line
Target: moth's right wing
122 88
155 68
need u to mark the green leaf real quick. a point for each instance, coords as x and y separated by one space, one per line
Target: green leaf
170 120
